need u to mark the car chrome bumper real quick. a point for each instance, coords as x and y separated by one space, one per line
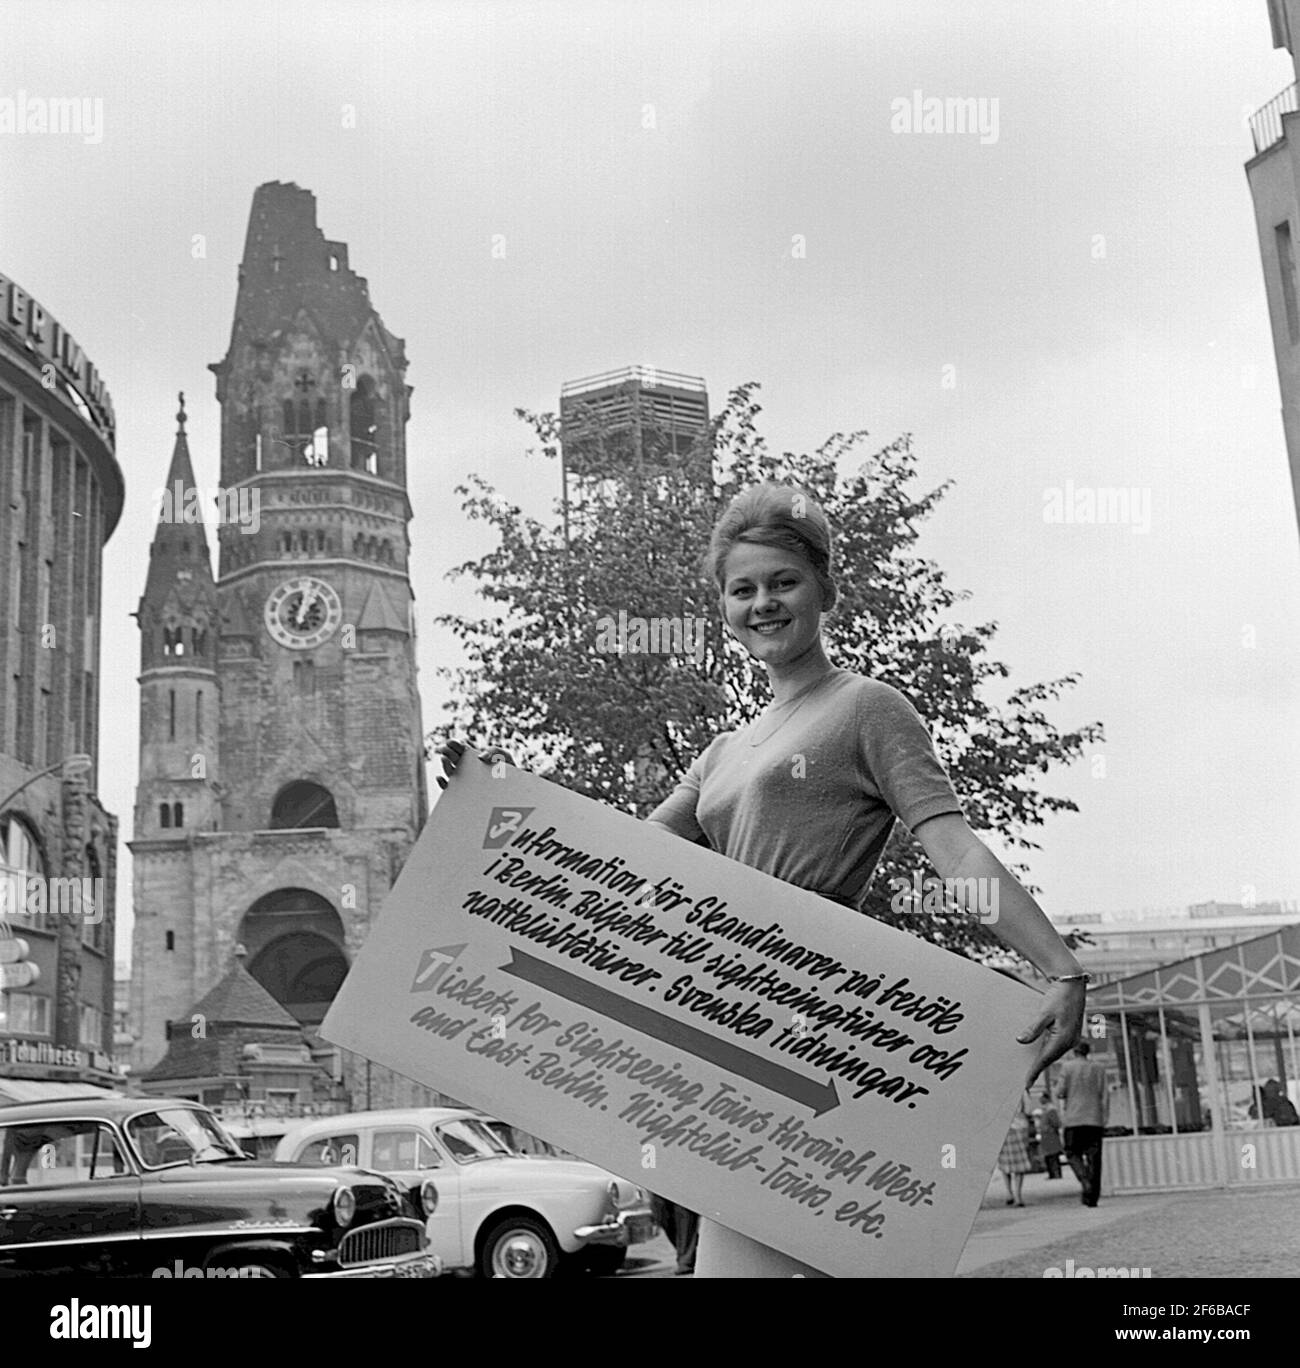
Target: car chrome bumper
634 1225
417 1266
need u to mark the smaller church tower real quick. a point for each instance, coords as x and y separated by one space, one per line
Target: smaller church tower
177 792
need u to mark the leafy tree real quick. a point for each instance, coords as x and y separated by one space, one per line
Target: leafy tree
622 726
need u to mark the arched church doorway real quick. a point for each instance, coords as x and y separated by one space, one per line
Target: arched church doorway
295 940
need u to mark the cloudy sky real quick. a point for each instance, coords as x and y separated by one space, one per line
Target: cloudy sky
1073 295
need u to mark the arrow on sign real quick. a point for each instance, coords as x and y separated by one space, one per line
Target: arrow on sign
18 975
821 1097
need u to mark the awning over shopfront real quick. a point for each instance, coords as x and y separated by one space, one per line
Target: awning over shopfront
16 1090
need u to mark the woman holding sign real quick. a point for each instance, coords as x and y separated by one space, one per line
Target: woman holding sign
867 760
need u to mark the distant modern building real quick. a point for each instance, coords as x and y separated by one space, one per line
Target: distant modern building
614 422
1274 177
1126 943
61 494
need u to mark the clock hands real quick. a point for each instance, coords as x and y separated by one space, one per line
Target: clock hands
308 602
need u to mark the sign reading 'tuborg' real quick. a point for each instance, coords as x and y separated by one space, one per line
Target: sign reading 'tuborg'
809 1077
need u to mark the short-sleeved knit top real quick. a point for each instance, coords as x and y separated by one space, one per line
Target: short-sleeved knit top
809 792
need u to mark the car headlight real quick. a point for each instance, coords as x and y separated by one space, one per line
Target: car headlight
428 1197
344 1206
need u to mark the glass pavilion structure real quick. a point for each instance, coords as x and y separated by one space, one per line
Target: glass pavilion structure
1203 1057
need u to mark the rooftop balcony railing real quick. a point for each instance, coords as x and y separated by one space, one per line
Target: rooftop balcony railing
1266 121
647 375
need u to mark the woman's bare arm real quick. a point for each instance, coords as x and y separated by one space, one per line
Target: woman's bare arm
982 884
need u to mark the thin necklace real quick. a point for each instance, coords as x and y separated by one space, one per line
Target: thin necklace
799 700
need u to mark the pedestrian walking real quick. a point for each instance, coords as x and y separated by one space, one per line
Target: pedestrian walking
1083 1093
1049 1136
682 1228
1013 1158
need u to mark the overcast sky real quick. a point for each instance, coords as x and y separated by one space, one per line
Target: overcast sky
1078 298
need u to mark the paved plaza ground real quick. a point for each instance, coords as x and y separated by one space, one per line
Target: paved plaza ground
1240 1233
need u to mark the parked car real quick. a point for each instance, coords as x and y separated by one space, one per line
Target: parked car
156 1187
260 1136
500 1213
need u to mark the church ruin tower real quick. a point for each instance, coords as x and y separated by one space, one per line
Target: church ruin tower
321 787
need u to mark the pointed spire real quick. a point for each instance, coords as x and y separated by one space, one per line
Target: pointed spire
180 570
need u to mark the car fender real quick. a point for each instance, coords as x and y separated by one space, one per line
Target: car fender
284 1248
491 1215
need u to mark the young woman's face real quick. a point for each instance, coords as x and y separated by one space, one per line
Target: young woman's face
771 602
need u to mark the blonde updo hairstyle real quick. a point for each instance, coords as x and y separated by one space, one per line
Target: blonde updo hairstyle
779 515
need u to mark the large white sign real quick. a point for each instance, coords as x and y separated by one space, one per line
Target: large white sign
833 1087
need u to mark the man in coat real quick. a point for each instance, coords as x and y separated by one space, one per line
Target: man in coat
1083 1095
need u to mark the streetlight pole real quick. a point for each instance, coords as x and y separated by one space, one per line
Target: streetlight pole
70 765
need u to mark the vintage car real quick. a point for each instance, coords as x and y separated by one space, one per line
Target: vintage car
501 1213
154 1187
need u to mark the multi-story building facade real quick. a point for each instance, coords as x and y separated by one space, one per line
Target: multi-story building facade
281 753
1274 177
61 493
1121 944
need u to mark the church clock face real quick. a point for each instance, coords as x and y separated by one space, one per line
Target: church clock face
303 612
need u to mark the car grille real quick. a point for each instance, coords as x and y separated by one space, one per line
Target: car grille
381 1241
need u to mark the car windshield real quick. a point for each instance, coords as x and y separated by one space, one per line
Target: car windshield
470 1140
181 1135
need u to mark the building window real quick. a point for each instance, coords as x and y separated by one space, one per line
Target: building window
25 1014
170 940
1286 268
92 913
92 1027
165 814
303 804
171 715
257 452
20 860
178 815
317 452
200 641
364 427
198 715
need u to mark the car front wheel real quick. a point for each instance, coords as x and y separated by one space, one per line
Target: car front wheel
519 1247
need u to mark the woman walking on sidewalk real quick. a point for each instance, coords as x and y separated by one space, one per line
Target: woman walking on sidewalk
1013 1158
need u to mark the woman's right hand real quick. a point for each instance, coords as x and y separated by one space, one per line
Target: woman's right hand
452 751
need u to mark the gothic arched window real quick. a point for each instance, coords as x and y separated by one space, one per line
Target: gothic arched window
20 860
363 420
303 804
164 814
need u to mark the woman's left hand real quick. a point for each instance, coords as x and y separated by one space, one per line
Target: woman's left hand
1059 1024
